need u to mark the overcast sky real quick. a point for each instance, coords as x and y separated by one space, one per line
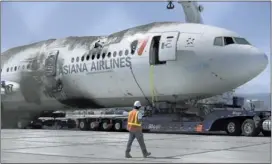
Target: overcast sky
26 22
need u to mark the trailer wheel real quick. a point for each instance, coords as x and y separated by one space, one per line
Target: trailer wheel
36 124
266 133
77 123
104 125
118 126
83 125
233 128
22 124
93 125
57 124
249 128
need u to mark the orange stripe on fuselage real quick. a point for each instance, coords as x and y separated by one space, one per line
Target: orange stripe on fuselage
141 49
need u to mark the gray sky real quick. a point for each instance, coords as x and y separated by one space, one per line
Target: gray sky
26 22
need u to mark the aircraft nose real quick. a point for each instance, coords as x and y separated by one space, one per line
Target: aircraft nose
241 66
257 61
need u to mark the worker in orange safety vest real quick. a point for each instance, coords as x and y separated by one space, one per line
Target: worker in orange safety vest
135 130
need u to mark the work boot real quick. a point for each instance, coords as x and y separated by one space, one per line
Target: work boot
147 154
128 155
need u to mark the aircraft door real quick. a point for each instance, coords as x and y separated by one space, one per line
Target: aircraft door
51 63
53 83
168 46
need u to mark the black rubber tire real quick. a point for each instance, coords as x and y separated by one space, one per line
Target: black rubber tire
105 122
117 126
266 133
83 125
22 124
236 128
57 124
91 126
254 131
37 125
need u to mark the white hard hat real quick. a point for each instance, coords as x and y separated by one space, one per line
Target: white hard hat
137 104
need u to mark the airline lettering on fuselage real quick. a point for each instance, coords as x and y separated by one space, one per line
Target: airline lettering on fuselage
99 65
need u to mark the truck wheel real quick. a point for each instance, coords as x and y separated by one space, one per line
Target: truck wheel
118 126
37 124
266 133
249 128
93 125
57 125
22 124
105 125
233 128
83 125
77 123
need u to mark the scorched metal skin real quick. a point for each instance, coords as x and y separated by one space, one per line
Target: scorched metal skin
40 85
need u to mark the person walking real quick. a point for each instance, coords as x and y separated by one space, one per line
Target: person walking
135 130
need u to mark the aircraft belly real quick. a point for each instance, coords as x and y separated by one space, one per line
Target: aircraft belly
16 101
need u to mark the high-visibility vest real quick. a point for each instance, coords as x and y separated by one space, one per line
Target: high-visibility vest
133 122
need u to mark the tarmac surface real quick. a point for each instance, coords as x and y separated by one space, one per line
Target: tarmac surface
48 146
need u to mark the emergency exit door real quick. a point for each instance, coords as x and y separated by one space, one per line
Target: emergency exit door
168 46
51 63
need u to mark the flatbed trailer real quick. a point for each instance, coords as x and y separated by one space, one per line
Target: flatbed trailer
234 121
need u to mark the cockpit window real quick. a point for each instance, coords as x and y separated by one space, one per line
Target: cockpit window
241 41
228 40
218 41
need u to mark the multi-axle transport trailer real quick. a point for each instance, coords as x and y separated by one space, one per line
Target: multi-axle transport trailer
232 119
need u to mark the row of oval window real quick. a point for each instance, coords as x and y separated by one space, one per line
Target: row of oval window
97 56
10 69
77 59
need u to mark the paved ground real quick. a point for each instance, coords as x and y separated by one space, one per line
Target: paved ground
27 146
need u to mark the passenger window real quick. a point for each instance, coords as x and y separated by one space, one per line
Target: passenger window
88 57
93 56
126 52
218 41
82 58
15 68
98 56
7 69
228 40
28 66
72 60
77 59
120 53
23 67
109 54
11 69
114 54
103 55
18 67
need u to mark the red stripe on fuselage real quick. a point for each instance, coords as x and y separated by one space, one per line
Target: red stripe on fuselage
142 47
